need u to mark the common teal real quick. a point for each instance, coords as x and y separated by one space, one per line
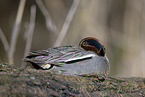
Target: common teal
89 58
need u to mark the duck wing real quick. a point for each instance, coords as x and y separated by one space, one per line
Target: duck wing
46 59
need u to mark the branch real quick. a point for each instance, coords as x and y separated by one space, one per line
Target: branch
15 31
50 26
30 32
4 41
67 23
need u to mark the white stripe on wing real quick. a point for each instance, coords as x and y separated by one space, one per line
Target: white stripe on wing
82 57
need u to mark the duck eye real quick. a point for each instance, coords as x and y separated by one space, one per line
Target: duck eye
104 49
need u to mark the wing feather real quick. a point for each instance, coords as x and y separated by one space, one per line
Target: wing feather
58 56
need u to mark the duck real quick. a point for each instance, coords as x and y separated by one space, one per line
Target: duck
89 58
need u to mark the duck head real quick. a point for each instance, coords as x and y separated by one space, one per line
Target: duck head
93 44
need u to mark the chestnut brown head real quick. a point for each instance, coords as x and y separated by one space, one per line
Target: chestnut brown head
93 44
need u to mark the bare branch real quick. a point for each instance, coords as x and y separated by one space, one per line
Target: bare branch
50 26
67 23
4 41
15 31
30 32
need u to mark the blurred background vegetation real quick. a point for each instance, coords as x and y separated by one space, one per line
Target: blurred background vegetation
119 24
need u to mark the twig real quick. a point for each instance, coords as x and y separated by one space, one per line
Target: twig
4 41
67 23
50 26
30 32
15 31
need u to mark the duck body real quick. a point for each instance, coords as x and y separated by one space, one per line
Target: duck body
70 60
